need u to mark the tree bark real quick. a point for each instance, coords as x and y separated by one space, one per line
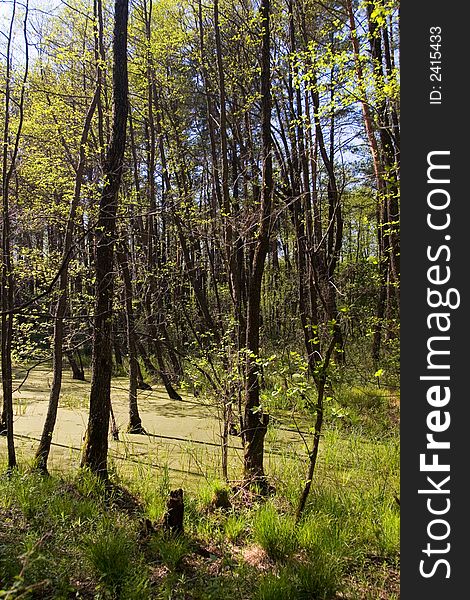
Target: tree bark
7 279
96 445
255 422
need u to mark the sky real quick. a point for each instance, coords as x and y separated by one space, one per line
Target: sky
36 9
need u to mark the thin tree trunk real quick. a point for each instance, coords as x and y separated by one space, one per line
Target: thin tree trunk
42 453
77 369
7 280
387 230
301 214
321 382
326 254
177 369
387 122
149 366
117 346
255 422
170 390
161 371
135 422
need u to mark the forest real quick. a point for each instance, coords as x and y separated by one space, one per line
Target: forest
200 288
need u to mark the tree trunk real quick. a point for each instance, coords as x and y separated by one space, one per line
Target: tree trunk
77 370
117 345
326 255
96 445
135 422
255 423
173 517
321 383
7 280
170 390
301 208
385 163
42 453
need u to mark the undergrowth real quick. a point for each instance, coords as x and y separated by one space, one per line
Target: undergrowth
70 536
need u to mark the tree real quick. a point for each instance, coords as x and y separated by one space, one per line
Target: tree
135 422
237 213
385 157
7 279
42 453
255 421
96 445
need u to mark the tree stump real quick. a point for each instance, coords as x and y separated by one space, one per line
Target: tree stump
173 518
221 500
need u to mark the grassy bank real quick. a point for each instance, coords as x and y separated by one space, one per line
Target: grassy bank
68 536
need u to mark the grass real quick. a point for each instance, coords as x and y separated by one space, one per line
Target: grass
274 532
74 401
171 550
67 536
235 527
113 554
79 542
368 409
299 581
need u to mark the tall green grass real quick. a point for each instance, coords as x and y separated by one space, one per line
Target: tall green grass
113 555
274 532
68 535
